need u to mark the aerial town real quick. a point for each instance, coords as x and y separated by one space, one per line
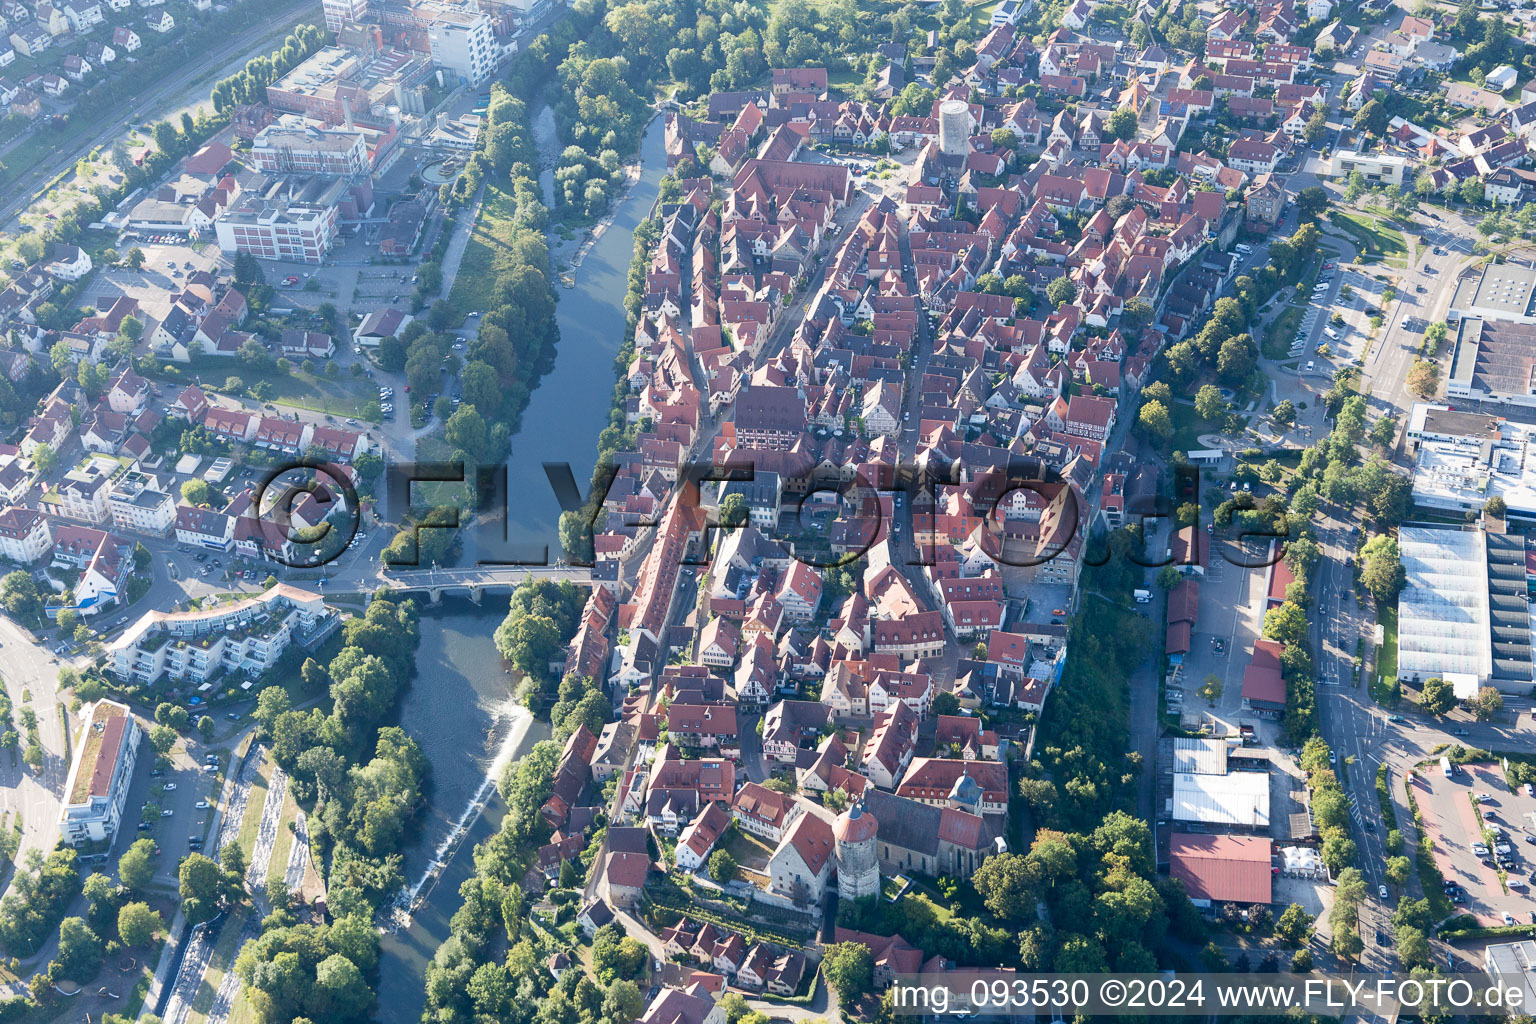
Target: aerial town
980 490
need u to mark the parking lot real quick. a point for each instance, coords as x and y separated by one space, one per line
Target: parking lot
158 281
1232 605
386 285
171 831
1450 822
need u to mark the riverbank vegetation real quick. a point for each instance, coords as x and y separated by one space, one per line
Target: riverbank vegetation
360 785
504 277
492 965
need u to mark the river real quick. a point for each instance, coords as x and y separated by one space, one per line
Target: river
570 406
459 706
460 709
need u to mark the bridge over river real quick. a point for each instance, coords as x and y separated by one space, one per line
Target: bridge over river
475 580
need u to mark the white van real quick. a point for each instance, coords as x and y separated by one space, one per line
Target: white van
1310 364
1331 333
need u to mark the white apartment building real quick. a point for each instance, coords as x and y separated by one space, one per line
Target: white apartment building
83 493
24 535
1378 168
138 505
462 43
105 753
242 637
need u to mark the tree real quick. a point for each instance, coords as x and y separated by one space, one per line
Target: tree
135 258
1311 202
1371 118
733 510
1294 928
1209 403
136 866
1437 696
205 728
849 969
1210 690
1122 124
1154 421
1397 870
1471 191
1338 852
202 886
722 867
1005 884
20 598
137 924
1214 959
1061 291
1424 378
1316 128
529 643
1412 947
1284 413
80 950
44 457
1286 623
1488 703
200 492
1135 314
1381 571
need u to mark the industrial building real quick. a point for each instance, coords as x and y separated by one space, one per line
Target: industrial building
1234 800
1502 291
1494 360
1513 963
1463 614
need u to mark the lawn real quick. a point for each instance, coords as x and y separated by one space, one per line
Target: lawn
220 963
472 287
282 846
344 395
251 820
1187 427
1386 657
1375 239
1282 330
748 850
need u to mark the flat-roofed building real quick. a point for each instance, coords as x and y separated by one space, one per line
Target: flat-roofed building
1236 800
280 149
1378 168
322 86
1503 291
1514 963
294 221
1200 756
1461 474
1462 615
1495 360
105 753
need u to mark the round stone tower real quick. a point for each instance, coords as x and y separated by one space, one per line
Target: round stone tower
954 128
858 868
